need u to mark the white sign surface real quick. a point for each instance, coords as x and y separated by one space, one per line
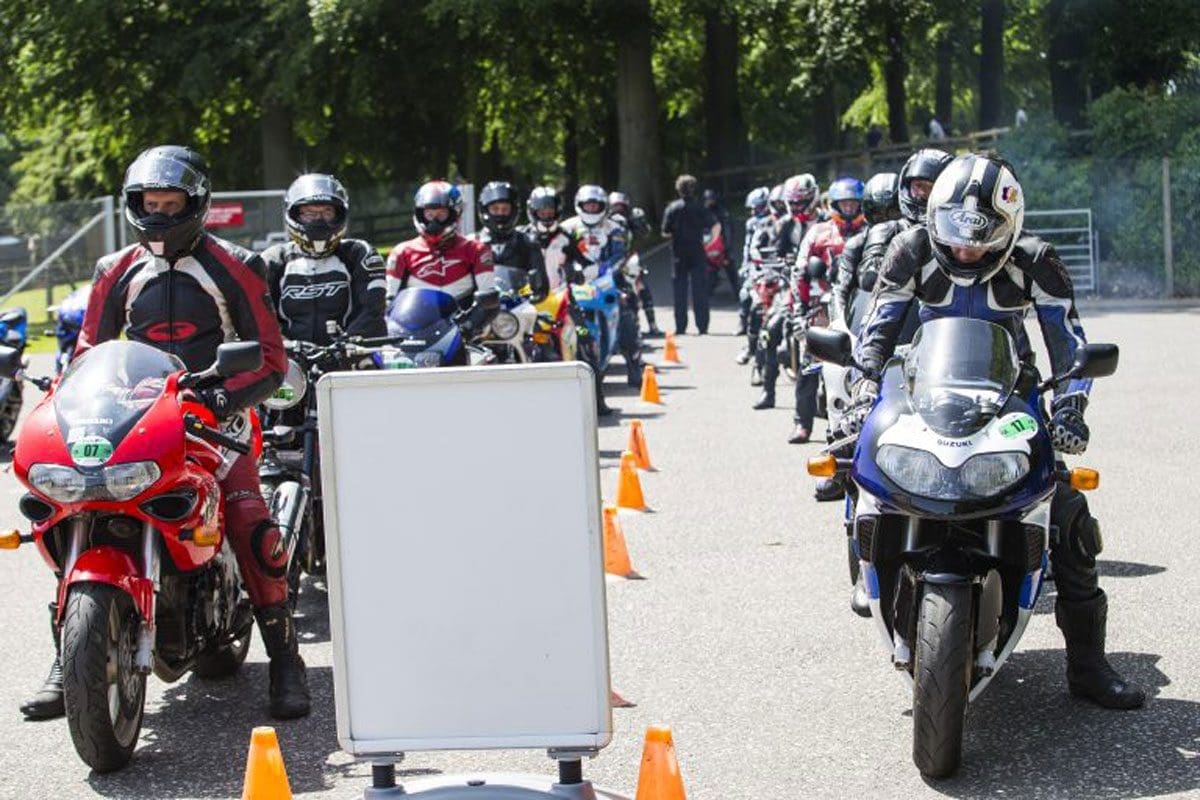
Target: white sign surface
465 563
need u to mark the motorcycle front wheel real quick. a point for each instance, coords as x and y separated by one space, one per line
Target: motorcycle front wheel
942 677
791 364
103 692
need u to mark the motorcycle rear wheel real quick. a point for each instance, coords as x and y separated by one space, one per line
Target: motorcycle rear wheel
942 677
104 694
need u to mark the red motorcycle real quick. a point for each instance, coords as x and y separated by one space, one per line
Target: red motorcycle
122 465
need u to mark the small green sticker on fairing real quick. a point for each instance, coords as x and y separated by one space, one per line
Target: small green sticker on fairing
91 451
1018 426
284 392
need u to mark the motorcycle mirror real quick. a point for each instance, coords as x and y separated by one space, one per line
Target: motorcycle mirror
236 357
1096 360
830 345
488 299
10 362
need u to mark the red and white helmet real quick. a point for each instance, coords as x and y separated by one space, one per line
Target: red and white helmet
801 193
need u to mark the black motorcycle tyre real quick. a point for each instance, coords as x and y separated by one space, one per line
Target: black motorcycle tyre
101 626
942 677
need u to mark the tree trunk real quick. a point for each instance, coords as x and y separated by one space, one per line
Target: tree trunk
637 110
824 116
1066 61
610 150
943 104
724 125
571 159
894 71
991 64
278 161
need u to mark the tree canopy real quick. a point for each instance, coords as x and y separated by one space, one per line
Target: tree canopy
624 92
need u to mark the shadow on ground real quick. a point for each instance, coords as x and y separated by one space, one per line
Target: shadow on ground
1026 737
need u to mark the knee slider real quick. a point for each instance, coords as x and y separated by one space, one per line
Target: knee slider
270 553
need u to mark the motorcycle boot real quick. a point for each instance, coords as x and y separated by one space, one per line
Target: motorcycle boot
289 685
743 357
47 702
1089 675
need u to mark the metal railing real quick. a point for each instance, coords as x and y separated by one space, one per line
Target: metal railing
1070 231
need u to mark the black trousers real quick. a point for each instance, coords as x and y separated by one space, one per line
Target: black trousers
693 269
1074 544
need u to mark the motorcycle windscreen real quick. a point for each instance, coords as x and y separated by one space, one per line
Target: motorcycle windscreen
105 392
510 279
959 373
417 309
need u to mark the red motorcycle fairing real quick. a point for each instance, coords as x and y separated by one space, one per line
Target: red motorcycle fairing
115 567
186 464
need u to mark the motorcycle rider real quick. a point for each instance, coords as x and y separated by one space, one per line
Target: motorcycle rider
320 275
622 211
972 258
604 242
759 217
499 210
184 291
820 246
801 193
564 264
438 257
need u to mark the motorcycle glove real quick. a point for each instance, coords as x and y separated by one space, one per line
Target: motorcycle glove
216 400
1068 432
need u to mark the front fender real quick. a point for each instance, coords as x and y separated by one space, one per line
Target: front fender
115 567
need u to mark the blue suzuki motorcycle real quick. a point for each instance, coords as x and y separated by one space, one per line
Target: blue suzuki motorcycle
430 330
600 299
952 476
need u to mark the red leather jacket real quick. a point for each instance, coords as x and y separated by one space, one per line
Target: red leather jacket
459 266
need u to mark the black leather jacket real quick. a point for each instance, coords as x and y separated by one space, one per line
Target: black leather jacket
348 286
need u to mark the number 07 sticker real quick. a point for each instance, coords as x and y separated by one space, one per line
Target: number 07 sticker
91 451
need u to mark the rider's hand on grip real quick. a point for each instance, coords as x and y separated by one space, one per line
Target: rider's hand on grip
1068 432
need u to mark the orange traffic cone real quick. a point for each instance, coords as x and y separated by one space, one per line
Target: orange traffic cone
659 778
629 488
616 554
670 352
637 445
650 386
266 777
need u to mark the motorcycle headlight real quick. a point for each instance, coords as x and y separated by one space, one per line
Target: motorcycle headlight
918 472
291 391
126 481
64 484
505 325
428 358
991 473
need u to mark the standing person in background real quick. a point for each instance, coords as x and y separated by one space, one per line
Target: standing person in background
685 223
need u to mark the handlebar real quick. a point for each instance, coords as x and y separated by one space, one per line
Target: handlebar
195 426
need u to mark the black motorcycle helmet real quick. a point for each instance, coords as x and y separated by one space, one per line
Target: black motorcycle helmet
437 194
976 205
318 238
499 192
880 202
168 168
540 199
924 165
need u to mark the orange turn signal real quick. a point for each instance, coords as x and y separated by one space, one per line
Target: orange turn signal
207 537
822 466
1084 479
10 540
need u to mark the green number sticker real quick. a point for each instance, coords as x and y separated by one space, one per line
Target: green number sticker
285 392
91 451
1018 426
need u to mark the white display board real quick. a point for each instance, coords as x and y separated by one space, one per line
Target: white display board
465 560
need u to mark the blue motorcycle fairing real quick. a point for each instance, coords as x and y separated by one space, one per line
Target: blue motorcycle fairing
604 312
424 317
893 401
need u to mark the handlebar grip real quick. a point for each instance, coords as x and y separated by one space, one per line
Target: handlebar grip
196 426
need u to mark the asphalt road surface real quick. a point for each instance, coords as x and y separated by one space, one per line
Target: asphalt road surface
740 636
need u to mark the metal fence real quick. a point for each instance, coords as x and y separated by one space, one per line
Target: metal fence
1070 231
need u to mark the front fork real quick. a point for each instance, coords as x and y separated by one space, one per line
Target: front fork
77 543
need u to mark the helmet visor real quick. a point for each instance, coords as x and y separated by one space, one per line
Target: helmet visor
955 226
164 173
